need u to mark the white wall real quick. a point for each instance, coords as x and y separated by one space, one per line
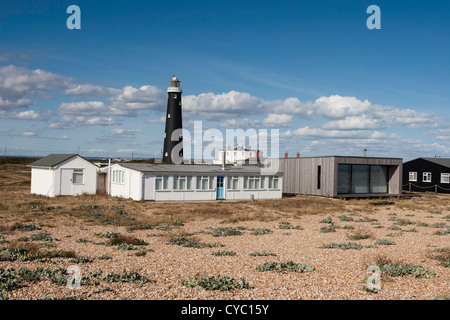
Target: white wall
89 184
244 194
138 186
131 187
48 182
42 181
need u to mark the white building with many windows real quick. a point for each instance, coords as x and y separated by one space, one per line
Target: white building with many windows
235 155
167 182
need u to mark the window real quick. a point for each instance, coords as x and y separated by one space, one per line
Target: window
118 176
251 182
445 177
161 183
273 182
319 174
205 183
77 176
356 178
182 183
233 183
427 177
413 176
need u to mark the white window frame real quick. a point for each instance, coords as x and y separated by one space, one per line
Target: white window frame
233 183
445 177
248 182
412 176
209 180
164 183
426 177
274 180
178 181
78 172
118 176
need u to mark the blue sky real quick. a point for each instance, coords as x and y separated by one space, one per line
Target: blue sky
311 69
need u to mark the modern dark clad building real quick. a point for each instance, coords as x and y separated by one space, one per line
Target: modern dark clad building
427 174
173 138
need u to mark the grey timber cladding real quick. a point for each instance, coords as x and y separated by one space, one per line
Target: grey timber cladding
301 174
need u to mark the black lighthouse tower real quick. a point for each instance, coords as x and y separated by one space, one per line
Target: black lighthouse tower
173 138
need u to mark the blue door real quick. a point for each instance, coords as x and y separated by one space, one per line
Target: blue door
220 190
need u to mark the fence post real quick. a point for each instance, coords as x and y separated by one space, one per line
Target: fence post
410 187
435 188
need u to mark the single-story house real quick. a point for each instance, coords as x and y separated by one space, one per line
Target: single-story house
427 174
142 181
342 176
63 174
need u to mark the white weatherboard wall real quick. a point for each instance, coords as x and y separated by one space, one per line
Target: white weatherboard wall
132 184
43 181
139 186
246 194
58 180
89 184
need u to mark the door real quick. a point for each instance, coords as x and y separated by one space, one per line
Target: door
66 182
149 189
220 189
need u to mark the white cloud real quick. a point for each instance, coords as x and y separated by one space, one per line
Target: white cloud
90 90
277 120
29 134
83 108
161 120
122 134
24 115
336 106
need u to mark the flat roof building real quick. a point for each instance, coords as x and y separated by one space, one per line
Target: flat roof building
342 176
166 182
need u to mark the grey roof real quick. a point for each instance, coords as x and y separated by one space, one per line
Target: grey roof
53 160
441 161
192 168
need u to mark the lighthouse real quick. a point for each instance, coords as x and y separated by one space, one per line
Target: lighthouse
173 138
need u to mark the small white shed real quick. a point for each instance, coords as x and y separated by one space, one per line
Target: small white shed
63 175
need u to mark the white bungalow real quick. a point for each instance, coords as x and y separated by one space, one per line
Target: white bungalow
166 182
63 174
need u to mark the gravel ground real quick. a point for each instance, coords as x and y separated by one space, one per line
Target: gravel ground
339 274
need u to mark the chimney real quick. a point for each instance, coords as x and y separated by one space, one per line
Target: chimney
285 155
223 159
298 154
365 153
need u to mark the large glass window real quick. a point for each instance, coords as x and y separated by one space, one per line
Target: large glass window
378 179
344 179
358 179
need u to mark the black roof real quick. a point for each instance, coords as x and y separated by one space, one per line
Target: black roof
441 161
